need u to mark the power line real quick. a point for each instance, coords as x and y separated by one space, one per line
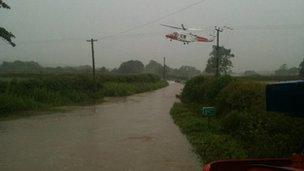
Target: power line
130 29
269 27
155 20
134 35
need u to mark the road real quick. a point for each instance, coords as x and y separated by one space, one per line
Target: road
126 133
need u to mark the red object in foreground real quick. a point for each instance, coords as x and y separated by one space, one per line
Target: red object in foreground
295 163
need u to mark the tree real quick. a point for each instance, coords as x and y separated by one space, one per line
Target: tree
20 67
188 71
154 67
250 73
131 67
4 5
285 71
4 34
293 71
225 63
301 68
103 70
282 70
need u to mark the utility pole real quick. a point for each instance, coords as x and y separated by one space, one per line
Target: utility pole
93 61
164 76
218 30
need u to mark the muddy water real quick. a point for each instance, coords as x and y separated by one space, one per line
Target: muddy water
130 133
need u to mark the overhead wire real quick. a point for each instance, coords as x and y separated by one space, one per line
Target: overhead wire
122 33
268 27
134 35
127 30
154 21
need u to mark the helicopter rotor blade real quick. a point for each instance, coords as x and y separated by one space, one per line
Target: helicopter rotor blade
200 29
180 28
195 29
227 27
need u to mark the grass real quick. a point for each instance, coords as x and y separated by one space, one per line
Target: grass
48 91
242 127
125 89
204 135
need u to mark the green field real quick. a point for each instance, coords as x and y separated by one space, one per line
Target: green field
242 128
25 92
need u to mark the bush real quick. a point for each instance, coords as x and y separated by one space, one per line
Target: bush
212 147
204 136
242 96
264 134
242 127
194 90
124 89
11 103
204 90
54 90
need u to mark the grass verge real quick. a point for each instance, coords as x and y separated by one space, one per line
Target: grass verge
204 136
242 128
44 93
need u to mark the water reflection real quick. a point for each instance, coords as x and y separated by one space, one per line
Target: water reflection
125 133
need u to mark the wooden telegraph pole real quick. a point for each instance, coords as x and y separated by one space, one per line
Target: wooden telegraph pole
218 30
164 72
93 61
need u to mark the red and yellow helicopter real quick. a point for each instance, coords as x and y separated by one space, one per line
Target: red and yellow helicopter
186 36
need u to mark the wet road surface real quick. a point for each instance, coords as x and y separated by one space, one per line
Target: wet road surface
129 133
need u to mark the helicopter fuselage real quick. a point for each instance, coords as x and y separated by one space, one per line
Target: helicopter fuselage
186 37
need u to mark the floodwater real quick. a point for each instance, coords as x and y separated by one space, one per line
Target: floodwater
128 133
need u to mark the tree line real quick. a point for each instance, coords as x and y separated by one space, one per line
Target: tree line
225 65
128 67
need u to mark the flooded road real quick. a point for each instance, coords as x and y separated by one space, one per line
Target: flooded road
129 133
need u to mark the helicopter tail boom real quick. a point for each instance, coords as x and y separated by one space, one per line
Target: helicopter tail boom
202 39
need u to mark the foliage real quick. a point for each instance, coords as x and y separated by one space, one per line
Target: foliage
103 70
34 68
124 89
188 71
194 90
182 73
242 96
131 67
204 90
4 5
264 134
285 71
20 67
6 35
205 137
154 68
10 103
224 60
37 92
250 73
242 127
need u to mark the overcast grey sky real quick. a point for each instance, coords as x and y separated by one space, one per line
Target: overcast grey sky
54 32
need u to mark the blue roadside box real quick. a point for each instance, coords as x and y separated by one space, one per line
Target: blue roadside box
286 97
209 111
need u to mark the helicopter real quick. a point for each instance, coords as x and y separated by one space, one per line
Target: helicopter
185 35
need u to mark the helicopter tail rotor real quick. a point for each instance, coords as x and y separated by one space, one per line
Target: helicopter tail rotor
183 27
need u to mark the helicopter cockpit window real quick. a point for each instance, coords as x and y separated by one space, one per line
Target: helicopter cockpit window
183 36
